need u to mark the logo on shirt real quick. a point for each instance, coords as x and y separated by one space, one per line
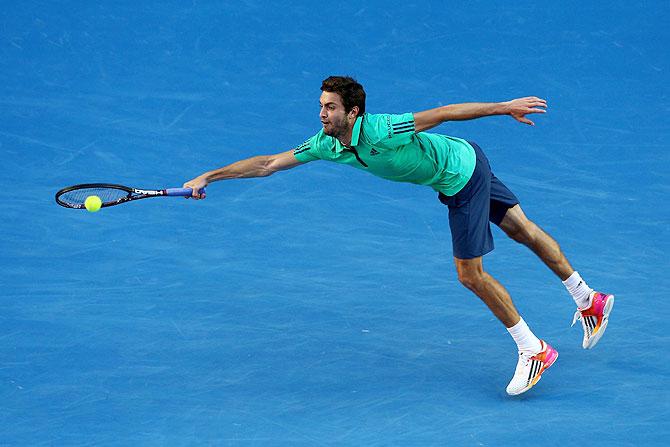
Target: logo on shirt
407 126
374 152
304 147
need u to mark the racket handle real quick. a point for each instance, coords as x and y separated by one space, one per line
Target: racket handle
181 192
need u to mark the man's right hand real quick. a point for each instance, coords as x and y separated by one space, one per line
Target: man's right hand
197 184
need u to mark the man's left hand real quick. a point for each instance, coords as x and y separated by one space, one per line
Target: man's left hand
519 108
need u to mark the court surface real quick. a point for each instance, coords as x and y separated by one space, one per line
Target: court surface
320 306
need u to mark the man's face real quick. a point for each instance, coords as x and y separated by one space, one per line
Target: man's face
336 122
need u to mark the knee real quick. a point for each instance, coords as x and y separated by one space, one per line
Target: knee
524 233
470 277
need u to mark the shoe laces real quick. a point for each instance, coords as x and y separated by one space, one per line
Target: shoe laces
578 316
524 360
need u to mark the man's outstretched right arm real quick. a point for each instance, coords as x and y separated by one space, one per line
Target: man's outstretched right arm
259 166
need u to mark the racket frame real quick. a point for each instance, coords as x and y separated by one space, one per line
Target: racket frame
133 193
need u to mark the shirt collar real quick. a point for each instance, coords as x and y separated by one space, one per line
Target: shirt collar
355 134
356 131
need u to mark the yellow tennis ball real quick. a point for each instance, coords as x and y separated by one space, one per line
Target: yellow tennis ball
93 203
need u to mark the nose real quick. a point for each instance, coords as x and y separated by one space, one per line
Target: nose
322 113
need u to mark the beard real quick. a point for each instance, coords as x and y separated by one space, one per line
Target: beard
336 128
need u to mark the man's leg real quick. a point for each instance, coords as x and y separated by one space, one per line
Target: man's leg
517 226
535 356
593 308
469 221
472 275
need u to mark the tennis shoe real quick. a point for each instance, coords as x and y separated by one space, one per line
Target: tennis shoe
594 318
530 367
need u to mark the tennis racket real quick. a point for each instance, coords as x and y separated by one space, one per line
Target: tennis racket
110 195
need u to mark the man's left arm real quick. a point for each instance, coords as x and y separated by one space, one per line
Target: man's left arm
516 108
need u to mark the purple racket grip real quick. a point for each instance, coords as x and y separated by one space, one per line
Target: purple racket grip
181 192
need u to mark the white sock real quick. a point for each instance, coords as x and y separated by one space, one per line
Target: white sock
579 290
524 337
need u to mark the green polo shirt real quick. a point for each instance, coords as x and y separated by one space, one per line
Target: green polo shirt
388 146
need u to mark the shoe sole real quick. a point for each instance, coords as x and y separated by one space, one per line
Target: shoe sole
601 331
539 376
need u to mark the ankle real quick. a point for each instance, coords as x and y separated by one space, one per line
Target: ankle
524 338
578 289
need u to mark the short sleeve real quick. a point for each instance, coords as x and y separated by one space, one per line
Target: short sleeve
388 129
307 151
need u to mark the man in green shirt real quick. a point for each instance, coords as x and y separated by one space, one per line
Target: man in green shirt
395 147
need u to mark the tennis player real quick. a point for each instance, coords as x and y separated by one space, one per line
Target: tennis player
396 147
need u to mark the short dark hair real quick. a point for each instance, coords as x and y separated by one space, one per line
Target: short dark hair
350 91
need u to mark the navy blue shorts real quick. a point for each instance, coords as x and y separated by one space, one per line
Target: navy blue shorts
484 198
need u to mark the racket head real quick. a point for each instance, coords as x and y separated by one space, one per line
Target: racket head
110 194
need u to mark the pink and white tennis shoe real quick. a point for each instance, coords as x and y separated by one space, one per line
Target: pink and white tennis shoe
530 367
594 318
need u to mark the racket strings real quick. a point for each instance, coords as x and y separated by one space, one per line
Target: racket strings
107 195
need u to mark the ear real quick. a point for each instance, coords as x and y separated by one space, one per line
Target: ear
353 113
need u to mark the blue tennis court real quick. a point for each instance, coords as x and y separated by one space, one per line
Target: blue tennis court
320 306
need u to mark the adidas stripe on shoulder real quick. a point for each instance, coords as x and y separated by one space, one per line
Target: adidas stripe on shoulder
302 148
407 126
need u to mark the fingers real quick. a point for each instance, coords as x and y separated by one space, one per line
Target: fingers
530 102
525 106
535 99
538 105
198 192
523 119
